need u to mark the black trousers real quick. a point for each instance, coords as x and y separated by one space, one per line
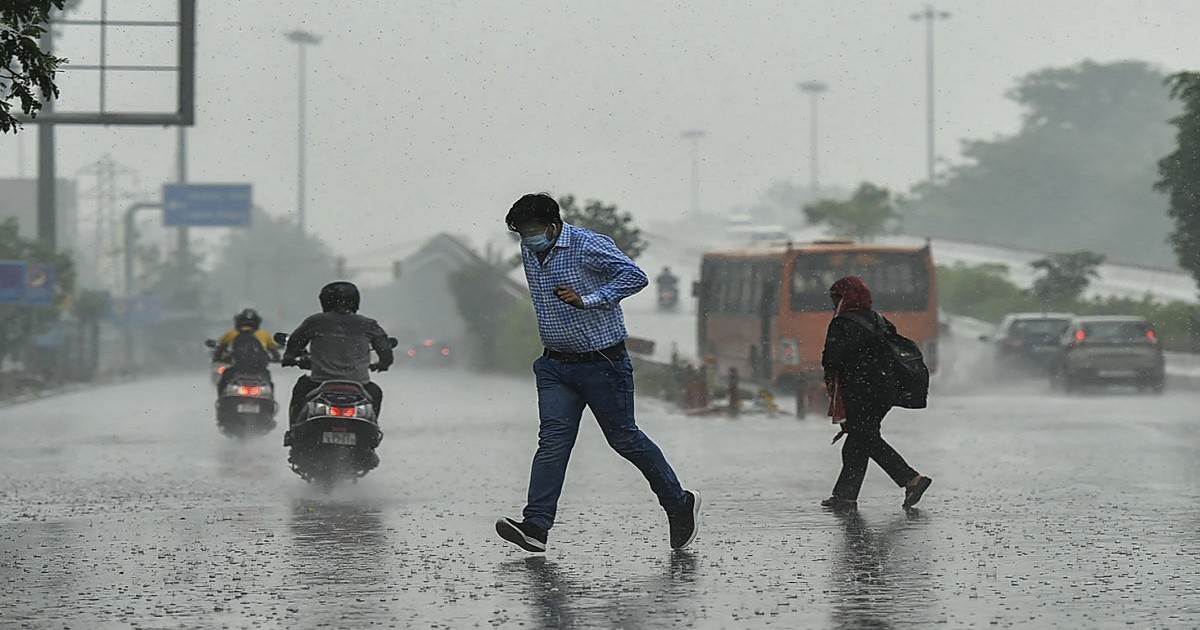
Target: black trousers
305 385
864 443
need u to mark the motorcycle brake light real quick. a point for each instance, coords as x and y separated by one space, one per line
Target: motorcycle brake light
342 412
253 390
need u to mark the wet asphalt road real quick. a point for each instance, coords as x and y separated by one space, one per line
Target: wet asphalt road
123 507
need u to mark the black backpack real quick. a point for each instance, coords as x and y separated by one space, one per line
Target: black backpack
908 385
248 353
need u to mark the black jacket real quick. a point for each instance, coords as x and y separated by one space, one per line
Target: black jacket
859 355
341 346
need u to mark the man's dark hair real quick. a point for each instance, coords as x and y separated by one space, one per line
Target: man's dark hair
539 207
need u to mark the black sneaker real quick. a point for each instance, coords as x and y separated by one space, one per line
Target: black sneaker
912 493
527 536
838 503
684 523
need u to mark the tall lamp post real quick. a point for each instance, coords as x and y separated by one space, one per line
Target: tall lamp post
303 39
929 15
814 89
694 136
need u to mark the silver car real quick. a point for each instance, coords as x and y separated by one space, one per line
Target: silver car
1102 349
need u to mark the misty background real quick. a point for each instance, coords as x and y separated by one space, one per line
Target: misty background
428 117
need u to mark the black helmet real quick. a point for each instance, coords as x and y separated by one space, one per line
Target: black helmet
248 317
339 296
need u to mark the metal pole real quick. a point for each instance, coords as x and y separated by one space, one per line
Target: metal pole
181 177
814 89
813 180
695 177
300 183
929 95
694 136
47 228
929 15
302 39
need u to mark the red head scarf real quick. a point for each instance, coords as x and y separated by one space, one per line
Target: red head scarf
855 294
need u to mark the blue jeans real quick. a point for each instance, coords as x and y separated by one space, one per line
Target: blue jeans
607 389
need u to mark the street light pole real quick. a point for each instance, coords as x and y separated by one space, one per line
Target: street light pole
929 15
814 89
303 39
694 135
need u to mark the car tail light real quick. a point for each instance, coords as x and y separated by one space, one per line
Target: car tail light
342 412
428 343
1080 336
445 352
1152 336
412 353
221 369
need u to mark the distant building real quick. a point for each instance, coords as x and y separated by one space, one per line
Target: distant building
418 304
18 198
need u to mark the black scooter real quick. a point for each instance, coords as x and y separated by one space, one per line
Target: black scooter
336 434
246 404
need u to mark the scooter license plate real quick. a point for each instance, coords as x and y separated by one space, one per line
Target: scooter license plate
251 407
344 439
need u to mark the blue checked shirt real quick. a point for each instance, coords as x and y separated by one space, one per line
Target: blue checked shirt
599 272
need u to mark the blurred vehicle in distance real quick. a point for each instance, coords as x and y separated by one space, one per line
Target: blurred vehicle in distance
427 352
1025 341
1109 349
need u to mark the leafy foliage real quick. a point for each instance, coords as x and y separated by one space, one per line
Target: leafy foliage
1077 175
19 323
478 293
985 292
1066 277
1179 173
869 212
980 291
26 71
605 219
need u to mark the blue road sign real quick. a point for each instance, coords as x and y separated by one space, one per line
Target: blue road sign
206 205
26 283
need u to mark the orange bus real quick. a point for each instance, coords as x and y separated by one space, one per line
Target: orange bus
764 310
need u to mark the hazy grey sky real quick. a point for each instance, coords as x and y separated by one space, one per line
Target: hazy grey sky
436 115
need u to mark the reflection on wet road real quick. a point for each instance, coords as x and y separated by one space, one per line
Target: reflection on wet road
1048 511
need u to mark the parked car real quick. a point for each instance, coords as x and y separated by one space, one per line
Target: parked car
1025 341
427 352
1109 349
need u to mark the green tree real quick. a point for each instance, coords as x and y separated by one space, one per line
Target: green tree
478 291
274 267
1179 173
869 212
26 71
1077 175
19 322
981 291
605 219
1065 276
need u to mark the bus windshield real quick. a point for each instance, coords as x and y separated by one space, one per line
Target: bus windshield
899 281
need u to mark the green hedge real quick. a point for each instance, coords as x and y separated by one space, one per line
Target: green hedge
985 292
